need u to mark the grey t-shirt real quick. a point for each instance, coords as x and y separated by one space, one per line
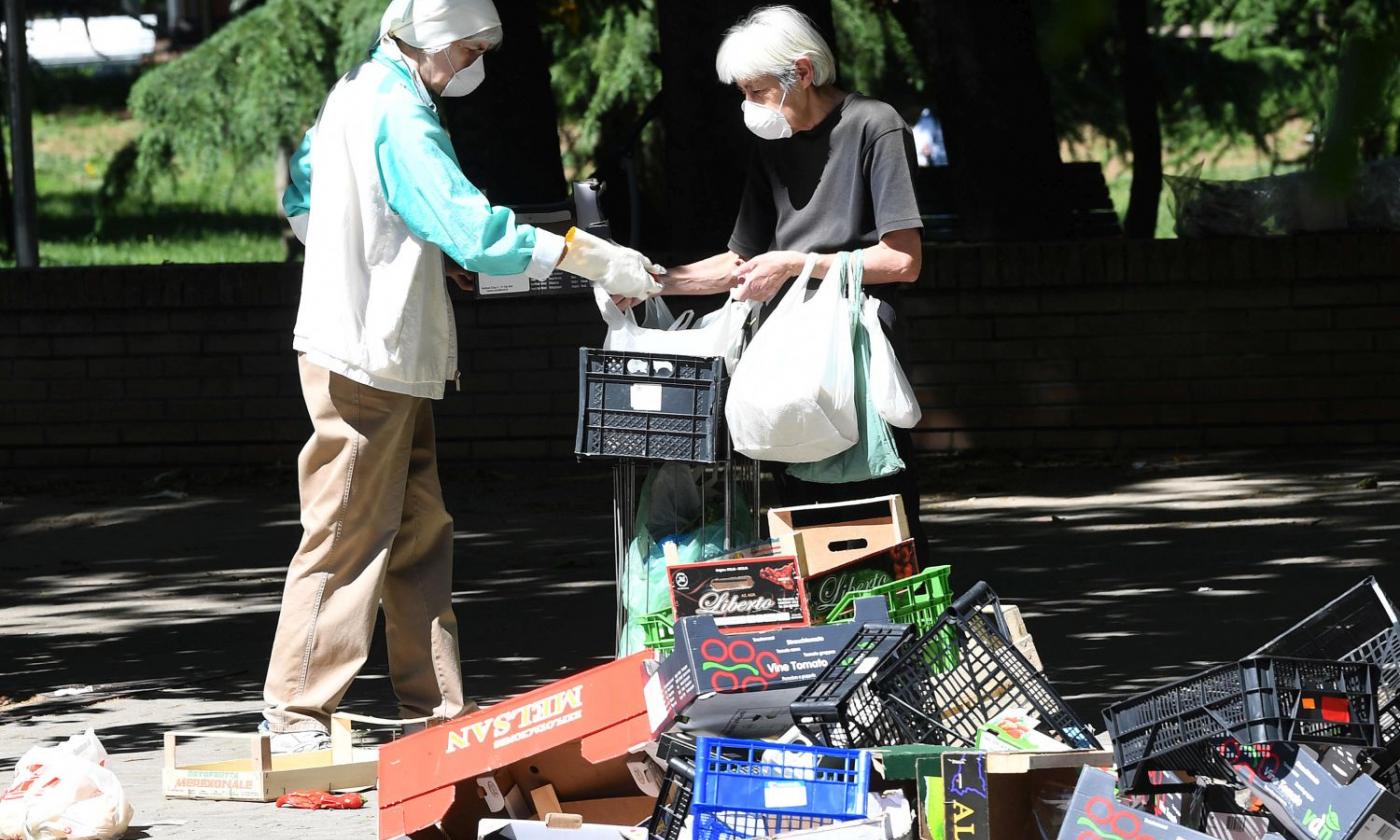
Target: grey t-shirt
837 187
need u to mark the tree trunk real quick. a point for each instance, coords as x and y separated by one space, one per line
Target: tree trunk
982 59
506 133
1144 128
706 144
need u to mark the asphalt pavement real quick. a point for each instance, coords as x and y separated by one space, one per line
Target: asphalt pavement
161 591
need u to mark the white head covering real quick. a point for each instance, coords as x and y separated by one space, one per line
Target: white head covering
433 24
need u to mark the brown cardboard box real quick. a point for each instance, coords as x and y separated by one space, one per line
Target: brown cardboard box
836 533
616 810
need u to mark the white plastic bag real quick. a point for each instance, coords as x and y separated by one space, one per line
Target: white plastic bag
792 398
720 333
889 388
64 793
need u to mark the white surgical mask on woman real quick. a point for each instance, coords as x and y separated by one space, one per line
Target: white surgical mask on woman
768 123
467 79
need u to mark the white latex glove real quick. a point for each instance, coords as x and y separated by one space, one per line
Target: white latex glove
618 270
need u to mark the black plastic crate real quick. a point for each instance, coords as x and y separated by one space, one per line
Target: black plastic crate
840 709
1389 778
1360 625
675 744
964 672
1181 727
673 802
650 407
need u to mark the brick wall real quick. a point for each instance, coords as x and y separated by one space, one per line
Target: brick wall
1102 345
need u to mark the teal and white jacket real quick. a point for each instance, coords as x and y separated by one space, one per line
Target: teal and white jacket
387 199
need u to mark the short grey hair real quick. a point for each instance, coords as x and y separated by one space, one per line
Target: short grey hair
768 43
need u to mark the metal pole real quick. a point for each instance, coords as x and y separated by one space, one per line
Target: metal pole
21 138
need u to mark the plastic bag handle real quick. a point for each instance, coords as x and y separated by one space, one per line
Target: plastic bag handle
612 314
793 298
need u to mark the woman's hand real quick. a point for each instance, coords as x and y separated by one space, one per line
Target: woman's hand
763 276
465 280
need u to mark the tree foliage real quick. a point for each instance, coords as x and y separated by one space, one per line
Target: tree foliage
1238 70
603 71
250 89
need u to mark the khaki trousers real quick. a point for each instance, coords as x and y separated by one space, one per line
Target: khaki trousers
375 530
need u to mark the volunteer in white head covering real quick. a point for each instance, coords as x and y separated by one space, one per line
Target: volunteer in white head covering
387 211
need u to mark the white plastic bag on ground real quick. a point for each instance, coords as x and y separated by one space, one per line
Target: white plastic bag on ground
792 398
889 388
720 333
64 793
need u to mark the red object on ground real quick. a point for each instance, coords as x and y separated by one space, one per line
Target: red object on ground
316 800
576 734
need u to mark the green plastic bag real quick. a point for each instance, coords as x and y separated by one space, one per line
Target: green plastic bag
874 455
698 535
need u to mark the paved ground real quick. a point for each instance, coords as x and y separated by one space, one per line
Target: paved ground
1129 574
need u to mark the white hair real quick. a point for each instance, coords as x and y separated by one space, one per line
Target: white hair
492 37
768 43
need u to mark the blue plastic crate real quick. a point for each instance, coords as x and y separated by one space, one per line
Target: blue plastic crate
740 795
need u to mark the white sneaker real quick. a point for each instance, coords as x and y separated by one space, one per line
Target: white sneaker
307 740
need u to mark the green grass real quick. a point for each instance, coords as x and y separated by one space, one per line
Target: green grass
230 217
1237 162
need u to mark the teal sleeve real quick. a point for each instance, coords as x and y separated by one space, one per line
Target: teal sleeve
424 185
296 199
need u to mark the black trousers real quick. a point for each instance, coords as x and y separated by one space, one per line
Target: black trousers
905 484
794 491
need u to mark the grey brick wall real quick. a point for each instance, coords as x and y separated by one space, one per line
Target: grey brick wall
1110 345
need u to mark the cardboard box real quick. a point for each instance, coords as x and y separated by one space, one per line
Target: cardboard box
900 766
971 795
877 568
705 661
493 829
1094 811
1308 800
584 735
1026 645
621 810
753 595
1011 617
836 533
262 776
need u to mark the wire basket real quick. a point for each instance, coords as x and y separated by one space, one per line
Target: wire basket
965 672
840 709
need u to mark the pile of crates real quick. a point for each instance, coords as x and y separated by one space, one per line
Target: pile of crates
932 682
1308 723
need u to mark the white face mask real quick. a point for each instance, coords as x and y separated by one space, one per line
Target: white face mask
467 79
768 123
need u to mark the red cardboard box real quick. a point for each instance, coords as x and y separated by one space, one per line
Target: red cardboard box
583 735
741 595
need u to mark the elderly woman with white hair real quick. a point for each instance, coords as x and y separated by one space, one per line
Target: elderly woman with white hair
831 171
380 200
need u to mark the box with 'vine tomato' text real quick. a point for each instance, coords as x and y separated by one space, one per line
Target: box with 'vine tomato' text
706 661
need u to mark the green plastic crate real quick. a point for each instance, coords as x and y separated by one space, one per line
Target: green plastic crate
659 630
919 599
